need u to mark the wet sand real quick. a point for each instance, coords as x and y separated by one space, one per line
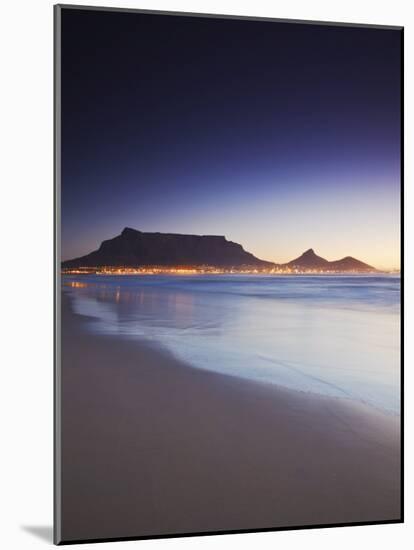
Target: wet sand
152 446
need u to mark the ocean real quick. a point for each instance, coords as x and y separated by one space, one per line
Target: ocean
331 335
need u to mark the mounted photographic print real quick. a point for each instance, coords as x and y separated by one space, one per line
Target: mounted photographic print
227 290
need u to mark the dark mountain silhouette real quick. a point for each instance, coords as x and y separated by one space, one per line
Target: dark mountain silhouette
311 261
134 248
350 264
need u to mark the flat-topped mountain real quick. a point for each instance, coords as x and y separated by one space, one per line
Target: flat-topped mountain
134 248
309 261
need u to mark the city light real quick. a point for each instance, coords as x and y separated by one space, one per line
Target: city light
205 270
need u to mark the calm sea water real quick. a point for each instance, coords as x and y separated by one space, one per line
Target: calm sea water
333 335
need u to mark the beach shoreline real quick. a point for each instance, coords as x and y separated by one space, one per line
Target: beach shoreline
153 446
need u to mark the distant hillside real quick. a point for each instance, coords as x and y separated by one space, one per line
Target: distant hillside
134 248
311 261
350 264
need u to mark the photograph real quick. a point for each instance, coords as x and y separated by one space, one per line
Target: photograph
228 207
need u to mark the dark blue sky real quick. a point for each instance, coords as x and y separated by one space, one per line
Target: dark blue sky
280 136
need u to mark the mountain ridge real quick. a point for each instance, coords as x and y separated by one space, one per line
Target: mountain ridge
310 260
134 248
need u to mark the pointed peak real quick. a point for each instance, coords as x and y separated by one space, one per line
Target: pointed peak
309 252
129 231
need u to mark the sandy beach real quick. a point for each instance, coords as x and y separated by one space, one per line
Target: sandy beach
153 446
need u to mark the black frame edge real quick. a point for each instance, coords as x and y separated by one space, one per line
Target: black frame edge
227 16
56 279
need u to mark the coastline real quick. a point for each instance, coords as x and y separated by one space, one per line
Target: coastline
154 446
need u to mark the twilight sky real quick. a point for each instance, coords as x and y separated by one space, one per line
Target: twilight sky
281 137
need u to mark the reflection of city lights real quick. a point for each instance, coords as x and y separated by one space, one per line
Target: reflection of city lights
75 284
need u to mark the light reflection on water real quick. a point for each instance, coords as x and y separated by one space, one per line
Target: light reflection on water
336 335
